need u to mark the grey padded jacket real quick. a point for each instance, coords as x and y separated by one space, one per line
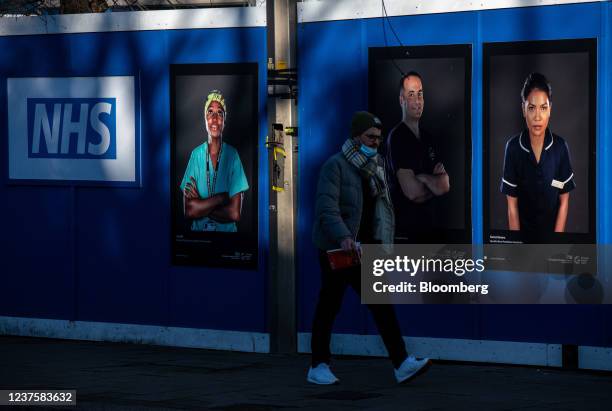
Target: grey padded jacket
339 203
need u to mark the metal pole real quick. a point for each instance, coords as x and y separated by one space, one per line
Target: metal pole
282 24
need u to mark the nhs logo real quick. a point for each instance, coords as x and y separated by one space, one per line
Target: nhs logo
75 129
72 128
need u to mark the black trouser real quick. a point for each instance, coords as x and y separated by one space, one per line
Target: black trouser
333 285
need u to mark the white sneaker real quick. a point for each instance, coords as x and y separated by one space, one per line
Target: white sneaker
410 368
322 375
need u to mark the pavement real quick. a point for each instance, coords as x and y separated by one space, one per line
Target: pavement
114 376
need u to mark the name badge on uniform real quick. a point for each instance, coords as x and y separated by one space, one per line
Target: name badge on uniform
557 184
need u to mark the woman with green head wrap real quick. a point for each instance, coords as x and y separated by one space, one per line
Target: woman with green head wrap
214 181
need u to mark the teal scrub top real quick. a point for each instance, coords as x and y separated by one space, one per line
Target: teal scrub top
230 179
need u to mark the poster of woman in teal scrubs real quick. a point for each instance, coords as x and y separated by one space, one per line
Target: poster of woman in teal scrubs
214 127
214 181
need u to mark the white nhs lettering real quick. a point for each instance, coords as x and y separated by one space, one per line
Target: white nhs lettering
49 128
72 130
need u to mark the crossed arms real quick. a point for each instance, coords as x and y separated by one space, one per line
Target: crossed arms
421 187
220 207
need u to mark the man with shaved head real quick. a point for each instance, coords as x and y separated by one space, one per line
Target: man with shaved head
416 174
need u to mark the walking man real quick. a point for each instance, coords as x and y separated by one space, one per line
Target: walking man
353 205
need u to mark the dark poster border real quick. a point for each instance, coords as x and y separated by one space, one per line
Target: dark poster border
490 50
448 236
215 249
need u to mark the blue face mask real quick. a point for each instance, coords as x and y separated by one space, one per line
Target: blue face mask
369 152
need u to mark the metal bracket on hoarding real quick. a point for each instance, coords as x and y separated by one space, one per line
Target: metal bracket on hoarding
286 81
278 183
278 136
291 131
276 145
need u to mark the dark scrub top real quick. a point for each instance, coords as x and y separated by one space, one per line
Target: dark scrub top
405 150
537 185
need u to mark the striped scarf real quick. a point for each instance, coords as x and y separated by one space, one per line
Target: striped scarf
371 169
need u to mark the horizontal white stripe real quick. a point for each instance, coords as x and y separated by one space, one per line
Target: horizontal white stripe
454 349
509 183
569 178
138 334
208 18
328 10
595 358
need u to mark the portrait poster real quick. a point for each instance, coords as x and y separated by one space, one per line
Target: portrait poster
445 74
214 132
523 176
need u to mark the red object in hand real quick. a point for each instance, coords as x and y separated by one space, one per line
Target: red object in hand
339 259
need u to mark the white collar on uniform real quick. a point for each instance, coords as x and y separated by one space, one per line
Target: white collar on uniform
549 145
